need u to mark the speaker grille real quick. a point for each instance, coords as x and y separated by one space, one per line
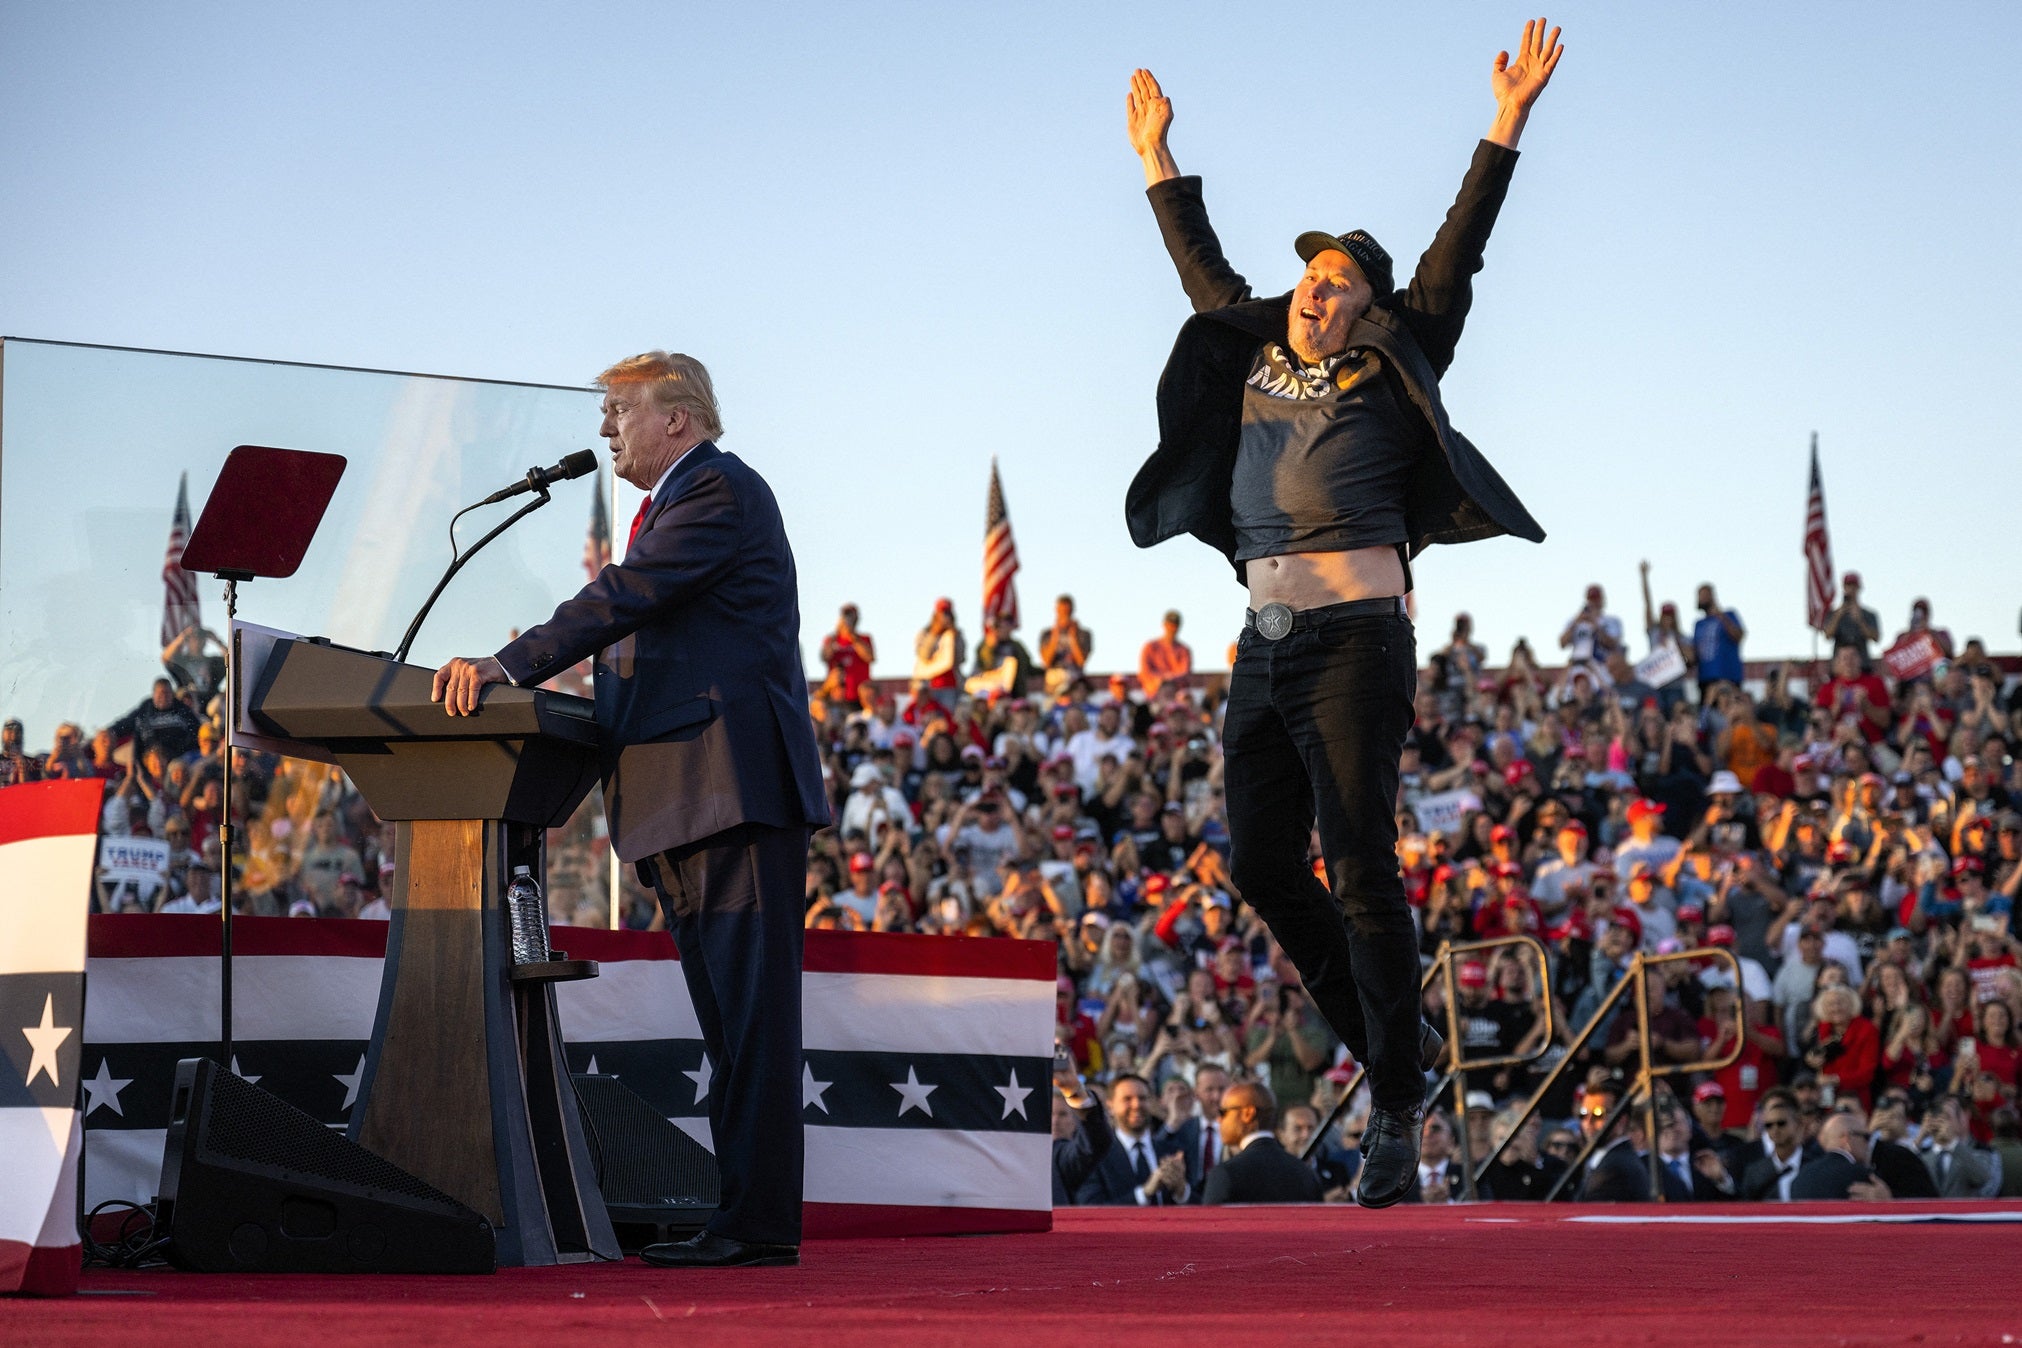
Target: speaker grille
247 1125
646 1161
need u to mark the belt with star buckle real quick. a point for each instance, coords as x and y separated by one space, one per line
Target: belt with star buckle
1275 622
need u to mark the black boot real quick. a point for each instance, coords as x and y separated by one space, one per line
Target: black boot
1389 1155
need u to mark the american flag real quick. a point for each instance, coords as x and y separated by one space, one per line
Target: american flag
1817 550
1000 557
597 547
179 609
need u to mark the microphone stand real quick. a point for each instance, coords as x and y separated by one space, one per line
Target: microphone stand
457 560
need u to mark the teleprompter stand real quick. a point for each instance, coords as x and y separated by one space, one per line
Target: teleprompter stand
259 519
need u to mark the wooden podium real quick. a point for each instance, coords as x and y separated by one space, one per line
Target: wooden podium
464 1084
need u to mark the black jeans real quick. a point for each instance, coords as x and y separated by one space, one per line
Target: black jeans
1312 734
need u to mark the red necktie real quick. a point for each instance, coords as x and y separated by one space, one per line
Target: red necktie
638 520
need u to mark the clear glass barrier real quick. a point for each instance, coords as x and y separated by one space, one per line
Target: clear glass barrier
94 443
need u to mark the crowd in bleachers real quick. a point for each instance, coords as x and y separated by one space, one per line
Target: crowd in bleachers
1849 834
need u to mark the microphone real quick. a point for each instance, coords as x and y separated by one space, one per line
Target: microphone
537 479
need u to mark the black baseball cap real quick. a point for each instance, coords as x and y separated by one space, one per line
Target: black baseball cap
1357 244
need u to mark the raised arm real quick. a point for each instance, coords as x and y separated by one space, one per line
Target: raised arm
1209 280
1517 83
1435 304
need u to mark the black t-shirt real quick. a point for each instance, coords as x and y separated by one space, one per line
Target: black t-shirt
1324 456
1495 1029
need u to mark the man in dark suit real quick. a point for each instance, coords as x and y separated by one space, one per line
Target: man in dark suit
1841 1168
1256 1168
711 777
1619 1170
1303 437
1081 1136
1138 1169
1198 1137
1774 1165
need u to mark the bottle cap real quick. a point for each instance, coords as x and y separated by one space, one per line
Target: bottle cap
523 870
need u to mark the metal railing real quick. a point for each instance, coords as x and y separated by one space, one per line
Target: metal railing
1458 1066
1640 1093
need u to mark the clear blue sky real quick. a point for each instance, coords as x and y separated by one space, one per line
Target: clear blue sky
909 237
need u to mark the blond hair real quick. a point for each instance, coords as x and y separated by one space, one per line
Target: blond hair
675 381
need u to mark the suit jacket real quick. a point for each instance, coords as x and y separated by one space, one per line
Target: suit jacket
1901 1169
1694 1188
1523 1181
1974 1173
699 688
1621 1177
1453 494
1758 1183
1263 1172
1187 1140
1112 1180
1830 1176
1075 1158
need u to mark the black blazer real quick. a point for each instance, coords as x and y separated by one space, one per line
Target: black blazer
1186 1140
1074 1158
1901 1169
1263 1172
699 688
1827 1177
1621 1177
1112 1180
1758 1181
1453 496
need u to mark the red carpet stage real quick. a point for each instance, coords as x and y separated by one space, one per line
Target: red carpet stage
1488 1274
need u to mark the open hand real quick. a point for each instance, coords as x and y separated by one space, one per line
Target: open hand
1518 82
1147 118
1148 112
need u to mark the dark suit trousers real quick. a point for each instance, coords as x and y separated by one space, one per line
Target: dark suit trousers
734 903
1312 733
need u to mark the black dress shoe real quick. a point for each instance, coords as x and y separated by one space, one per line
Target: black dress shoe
1389 1156
1431 1043
709 1250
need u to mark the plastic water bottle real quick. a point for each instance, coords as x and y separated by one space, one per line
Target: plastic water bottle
527 910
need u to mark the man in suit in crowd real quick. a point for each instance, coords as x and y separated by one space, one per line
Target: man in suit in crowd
1617 1171
711 777
1257 1168
1841 1168
1197 1137
1894 1164
1958 1168
1138 1169
1081 1135
1773 1169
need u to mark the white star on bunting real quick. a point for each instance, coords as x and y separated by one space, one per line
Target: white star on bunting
701 1079
104 1089
44 1040
811 1090
250 1081
912 1095
351 1080
592 1068
1014 1096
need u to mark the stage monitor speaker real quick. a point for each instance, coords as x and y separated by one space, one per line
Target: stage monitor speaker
658 1183
251 1184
